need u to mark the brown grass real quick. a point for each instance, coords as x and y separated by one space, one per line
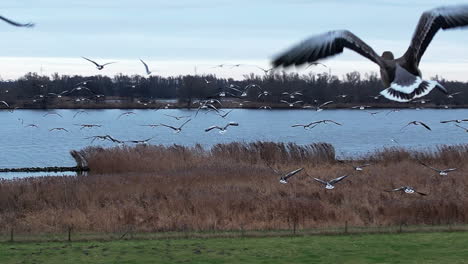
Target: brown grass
229 187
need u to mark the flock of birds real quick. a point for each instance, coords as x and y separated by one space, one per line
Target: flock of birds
330 184
401 77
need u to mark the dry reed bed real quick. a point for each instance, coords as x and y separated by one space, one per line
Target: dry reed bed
157 188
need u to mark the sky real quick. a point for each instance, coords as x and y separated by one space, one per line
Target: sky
187 37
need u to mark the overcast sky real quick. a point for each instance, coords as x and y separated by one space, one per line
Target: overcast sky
181 37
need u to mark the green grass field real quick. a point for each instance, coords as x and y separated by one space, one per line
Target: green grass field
447 247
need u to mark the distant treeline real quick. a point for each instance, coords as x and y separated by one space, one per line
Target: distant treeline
358 88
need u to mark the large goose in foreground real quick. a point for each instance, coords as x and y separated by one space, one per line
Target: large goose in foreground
400 76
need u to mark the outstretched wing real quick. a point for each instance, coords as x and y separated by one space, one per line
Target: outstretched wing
95 63
292 173
146 66
338 179
321 181
429 23
213 127
11 22
323 46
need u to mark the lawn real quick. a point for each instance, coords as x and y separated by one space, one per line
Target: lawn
446 247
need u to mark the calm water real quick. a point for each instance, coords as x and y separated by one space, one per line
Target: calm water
361 132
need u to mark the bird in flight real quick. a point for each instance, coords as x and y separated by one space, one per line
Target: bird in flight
177 129
87 125
58 129
126 114
98 66
285 176
16 24
315 123
401 77
291 104
329 185
319 107
452 94
146 67
177 117
106 137
80 112
417 123
441 172
52 113
454 121
406 189
223 129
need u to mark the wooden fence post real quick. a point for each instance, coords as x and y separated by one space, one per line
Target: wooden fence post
69 233
11 235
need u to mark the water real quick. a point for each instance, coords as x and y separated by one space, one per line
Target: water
361 132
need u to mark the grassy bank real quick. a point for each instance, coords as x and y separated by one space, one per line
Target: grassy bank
230 187
375 248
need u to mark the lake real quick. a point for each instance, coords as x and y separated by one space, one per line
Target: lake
359 134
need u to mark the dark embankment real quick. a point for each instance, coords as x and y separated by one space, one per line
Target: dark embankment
157 188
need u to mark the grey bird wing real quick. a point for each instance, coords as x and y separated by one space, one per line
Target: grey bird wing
338 179
171 127
430 167
185 123
429 23
146 66
11 22
324 104
292 173
108 63
213 127
326 45
95 63
424 125
321 181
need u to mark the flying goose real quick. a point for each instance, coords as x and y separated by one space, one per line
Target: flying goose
177 117
293 94
360 107
16 24
360 167
222 130
98 66
151 125
177 129
126 114
80 112
452 94
454 121
106 137
441 172
266 71
87 125
143 141
319 108
32 125
406 189
291 104
315 123
58 129
52 113
285 176
146 67
417 123
400 76
329 185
